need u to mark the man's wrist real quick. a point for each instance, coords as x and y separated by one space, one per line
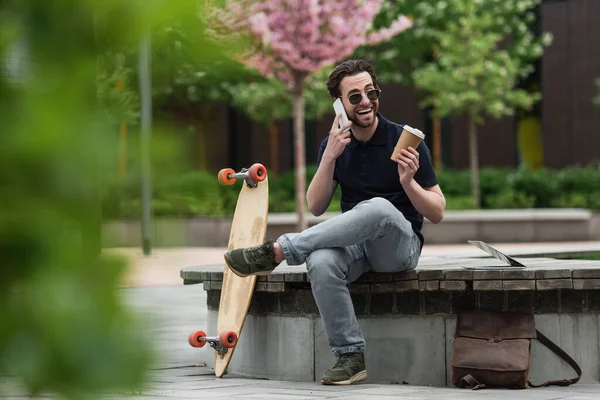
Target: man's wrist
409 183
327 159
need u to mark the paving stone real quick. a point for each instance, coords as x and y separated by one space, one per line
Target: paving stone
275 277
487 285
275 287
374 277
295 277
430 275
429 285
213 298
458 274
593 300
463 300
408 303
546 301
191 275
305 302
406 286
436 302
491 300
264 302
586 273
553 273
454 286
572 301
586 284
405 275
358 288
205 276
361 303
487 275
518 274
519 300
552 284
520 284
215 276
382 287
381 303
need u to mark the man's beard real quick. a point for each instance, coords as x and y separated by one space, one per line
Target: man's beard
364 124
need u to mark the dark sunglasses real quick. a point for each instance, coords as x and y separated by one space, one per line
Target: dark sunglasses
372 94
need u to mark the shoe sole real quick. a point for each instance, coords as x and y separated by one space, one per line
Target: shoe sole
239 273
358 377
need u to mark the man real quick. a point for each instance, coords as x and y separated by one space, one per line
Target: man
383 204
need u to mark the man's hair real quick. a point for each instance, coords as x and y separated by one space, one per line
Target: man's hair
348 68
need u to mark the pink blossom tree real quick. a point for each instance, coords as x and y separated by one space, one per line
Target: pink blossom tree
292 39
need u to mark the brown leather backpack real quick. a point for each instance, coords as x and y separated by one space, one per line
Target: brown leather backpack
492 349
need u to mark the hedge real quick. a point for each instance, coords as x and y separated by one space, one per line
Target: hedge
200 194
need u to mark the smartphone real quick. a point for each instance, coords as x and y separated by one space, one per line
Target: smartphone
339 109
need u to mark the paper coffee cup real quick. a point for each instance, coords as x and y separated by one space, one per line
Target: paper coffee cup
410 137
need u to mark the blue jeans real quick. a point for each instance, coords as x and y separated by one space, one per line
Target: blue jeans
373 236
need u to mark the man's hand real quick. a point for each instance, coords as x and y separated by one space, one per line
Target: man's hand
339 138
408 164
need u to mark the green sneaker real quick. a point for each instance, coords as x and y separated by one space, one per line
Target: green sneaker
349 369
255 260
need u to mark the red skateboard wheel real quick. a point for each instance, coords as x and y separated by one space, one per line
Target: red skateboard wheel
257 172
228 339
194 339
223 177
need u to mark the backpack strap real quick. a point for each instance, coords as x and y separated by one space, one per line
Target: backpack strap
470 381
561 353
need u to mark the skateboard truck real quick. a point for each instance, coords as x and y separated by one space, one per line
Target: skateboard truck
256 173
225 341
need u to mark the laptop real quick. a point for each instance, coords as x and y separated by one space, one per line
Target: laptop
511 262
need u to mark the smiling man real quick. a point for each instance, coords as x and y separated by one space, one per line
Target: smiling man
383 205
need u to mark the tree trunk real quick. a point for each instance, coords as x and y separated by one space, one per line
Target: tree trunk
437 141
299 151
474 159
200 143
122 150
122 141
200 125
274 147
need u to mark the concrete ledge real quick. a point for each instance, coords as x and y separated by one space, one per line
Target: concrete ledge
527 225
409 318
408 349
513 225
501 215
433 274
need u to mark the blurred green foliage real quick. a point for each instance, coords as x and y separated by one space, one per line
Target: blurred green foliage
65 329
200 194
117 91
194 77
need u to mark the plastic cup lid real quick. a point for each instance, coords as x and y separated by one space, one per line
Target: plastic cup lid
415 131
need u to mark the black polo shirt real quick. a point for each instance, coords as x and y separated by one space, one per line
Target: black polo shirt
364 171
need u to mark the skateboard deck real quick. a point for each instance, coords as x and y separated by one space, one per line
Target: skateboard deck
248 228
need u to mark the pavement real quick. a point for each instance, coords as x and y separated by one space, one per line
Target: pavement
153 287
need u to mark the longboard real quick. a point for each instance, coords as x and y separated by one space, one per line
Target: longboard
248 228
